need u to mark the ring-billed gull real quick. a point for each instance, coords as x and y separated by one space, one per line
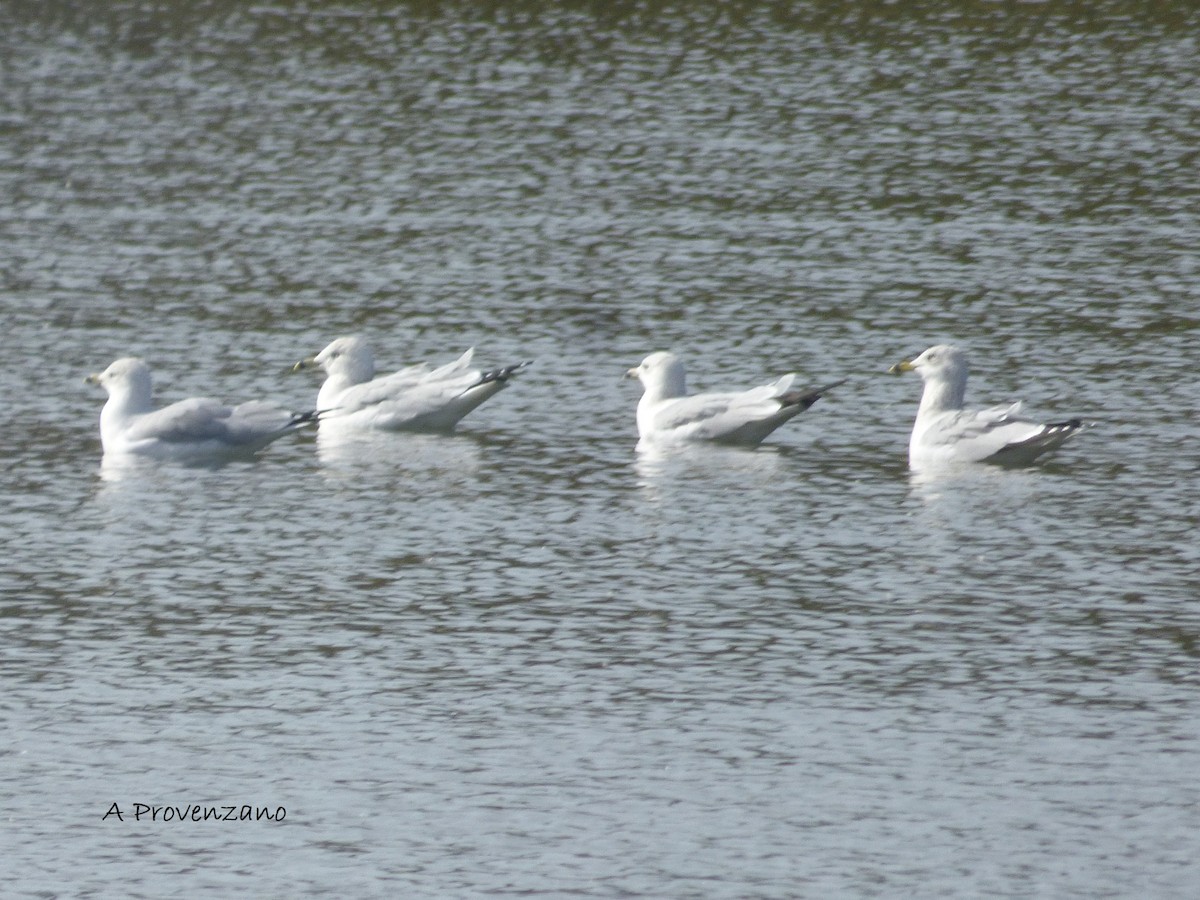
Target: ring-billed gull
666 414
191 430
944 432
417 398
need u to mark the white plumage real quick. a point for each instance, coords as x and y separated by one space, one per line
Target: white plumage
193 430
417 398
666 414
944 432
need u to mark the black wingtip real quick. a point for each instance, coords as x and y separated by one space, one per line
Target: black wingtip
806 398
1069 426
304 418
502 374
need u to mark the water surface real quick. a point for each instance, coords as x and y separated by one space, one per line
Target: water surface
526 659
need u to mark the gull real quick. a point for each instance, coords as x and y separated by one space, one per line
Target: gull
417 398
666 414
192 430
944 432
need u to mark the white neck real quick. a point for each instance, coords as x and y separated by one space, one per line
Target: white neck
126 400
668 384
945 389
332 388
942 396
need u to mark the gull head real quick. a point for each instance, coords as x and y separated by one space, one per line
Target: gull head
128 375
661 375
939 363
345 357
944 370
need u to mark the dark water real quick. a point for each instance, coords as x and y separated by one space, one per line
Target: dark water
525 660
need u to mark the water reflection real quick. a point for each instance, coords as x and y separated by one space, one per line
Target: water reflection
710 469
976 485
418 456
118 467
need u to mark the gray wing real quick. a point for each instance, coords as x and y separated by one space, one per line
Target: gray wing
196 419
202 419
996 433
252 422
395 387
421 400
711 416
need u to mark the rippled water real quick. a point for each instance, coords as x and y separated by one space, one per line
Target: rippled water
524 659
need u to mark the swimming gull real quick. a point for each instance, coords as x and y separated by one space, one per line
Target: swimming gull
417 398
944 432
192 430
666 414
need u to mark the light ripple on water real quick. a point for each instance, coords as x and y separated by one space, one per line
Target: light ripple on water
526 657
